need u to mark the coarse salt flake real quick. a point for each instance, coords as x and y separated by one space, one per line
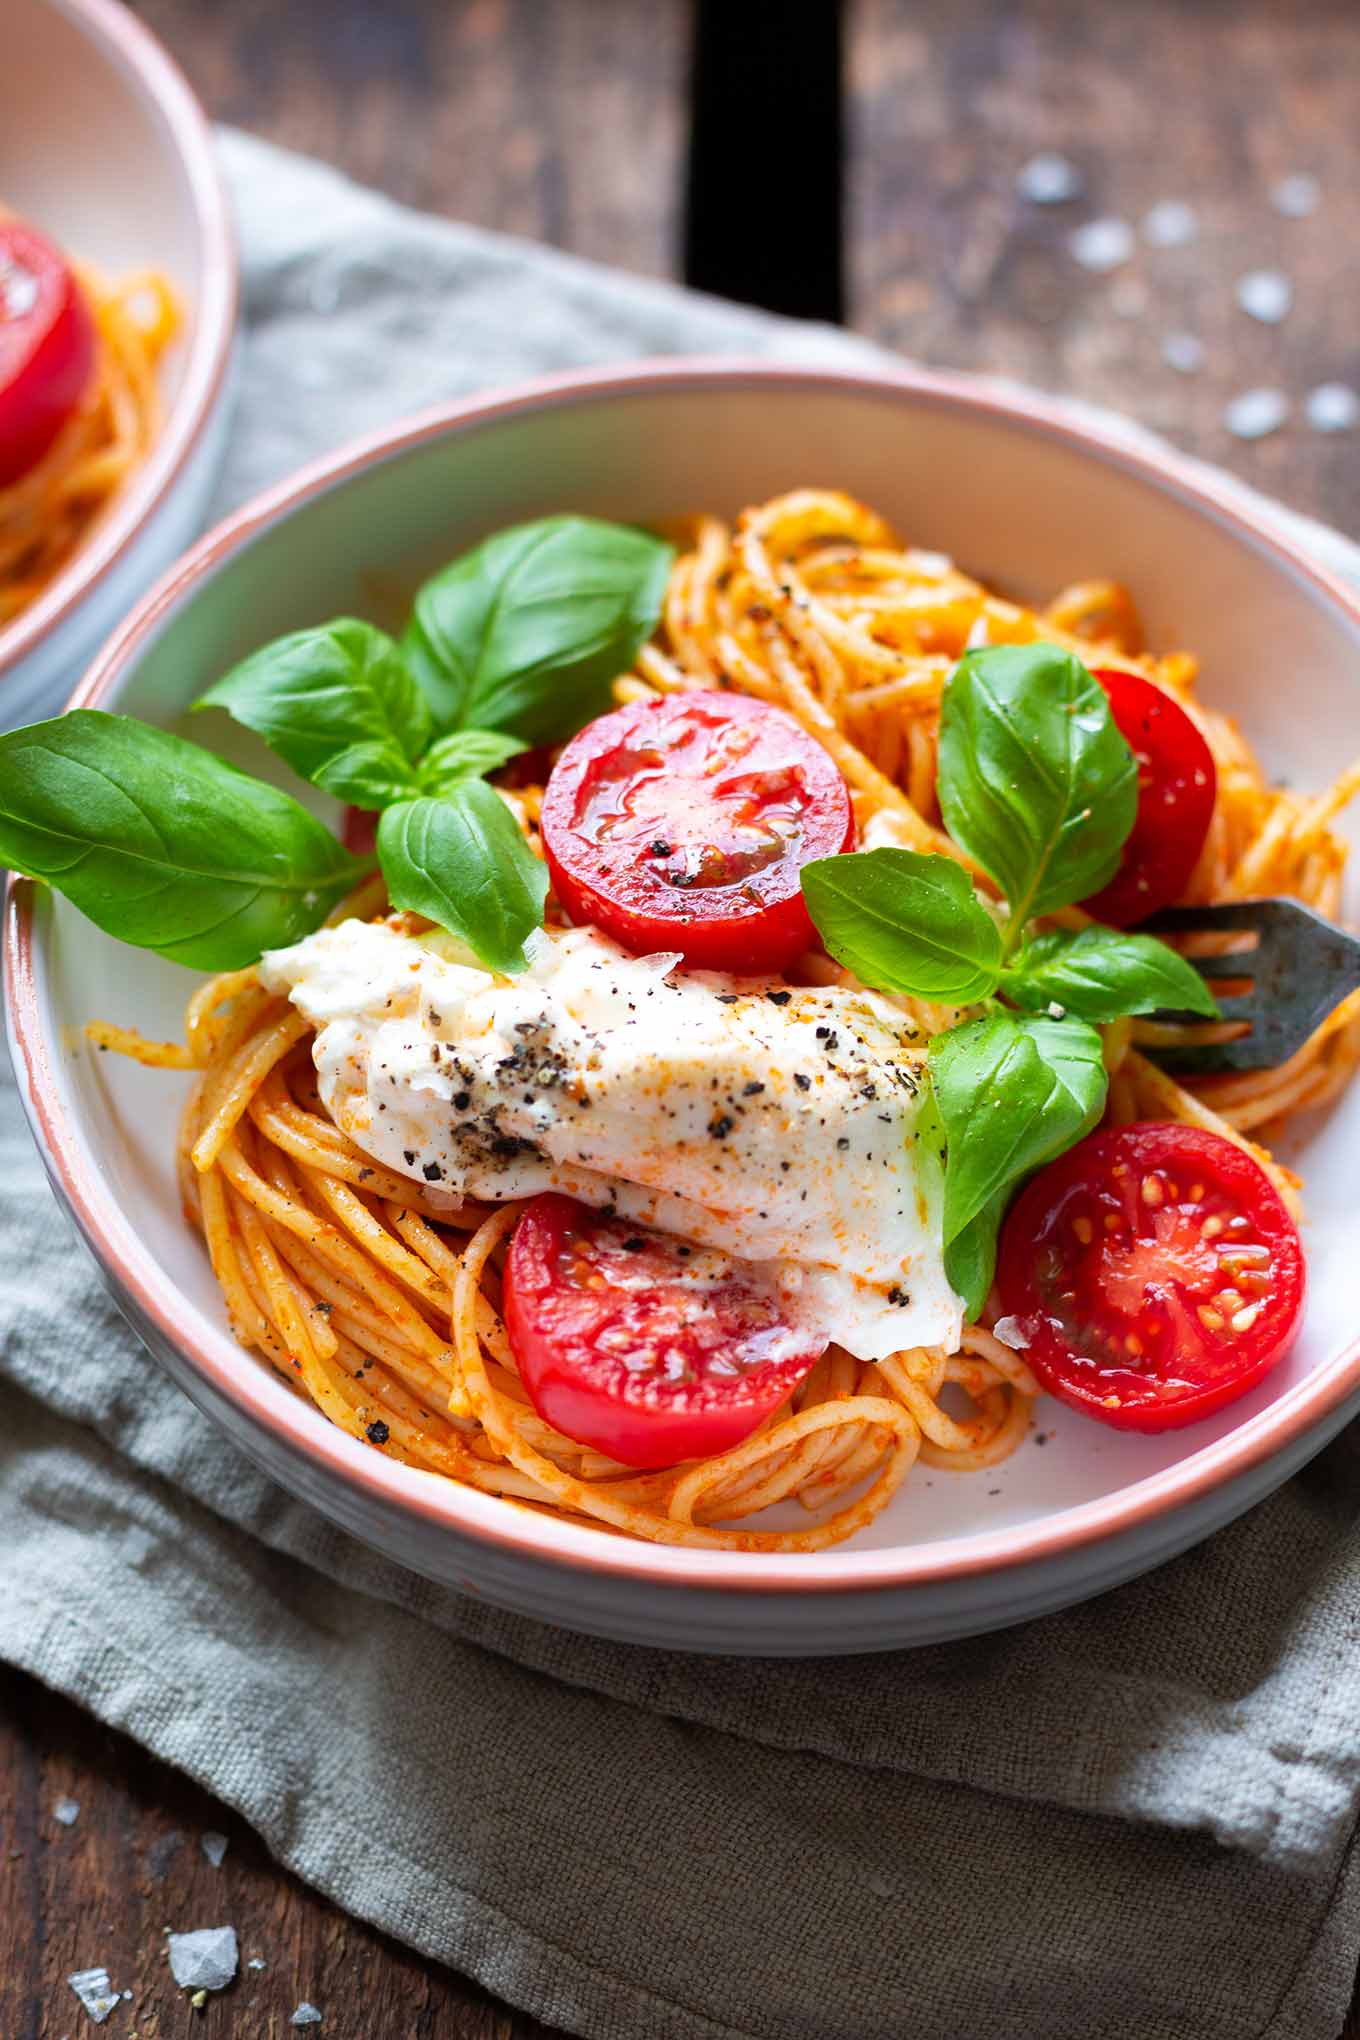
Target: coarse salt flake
1256 413
214 1847
1011 1333
206 1959
1171 223
1332 407
1296 195
1265 294
1184 352
305 2015
67 1811
95 1992
1101 244
1049 179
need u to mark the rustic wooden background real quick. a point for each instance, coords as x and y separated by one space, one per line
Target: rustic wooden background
566 120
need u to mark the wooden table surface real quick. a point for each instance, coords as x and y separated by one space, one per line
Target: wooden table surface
566 120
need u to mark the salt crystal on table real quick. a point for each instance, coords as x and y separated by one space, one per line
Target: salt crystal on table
1255 413
1296 196
67 1811
305 2015
1266 294
93 1989
1183 352
256 1962
1102 244
204 1960
214 1847
1049 179
1170 224
1332 407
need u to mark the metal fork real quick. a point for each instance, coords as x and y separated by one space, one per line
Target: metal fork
1299 968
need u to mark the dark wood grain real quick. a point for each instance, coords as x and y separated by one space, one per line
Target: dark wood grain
565 120
1210 103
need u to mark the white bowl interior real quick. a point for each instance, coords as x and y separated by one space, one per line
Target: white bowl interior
1011 501
88 156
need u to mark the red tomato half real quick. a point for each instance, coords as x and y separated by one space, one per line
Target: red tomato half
683 824
46 347
633 1342
1177 786
1156 1274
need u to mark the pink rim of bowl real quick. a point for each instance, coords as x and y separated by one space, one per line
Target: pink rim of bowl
134 50
243 1382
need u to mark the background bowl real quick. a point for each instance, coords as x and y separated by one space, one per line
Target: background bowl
1018 496
105 149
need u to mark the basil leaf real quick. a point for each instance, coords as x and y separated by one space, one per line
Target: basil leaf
463 862
338 704
163 845
1035 781
527 632
465 754
970 1258
1101 974
904 922
1012 1093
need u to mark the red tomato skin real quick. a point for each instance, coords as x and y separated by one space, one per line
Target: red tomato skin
1177 787
1119 1394
359 831
46 350
754 926
555 1328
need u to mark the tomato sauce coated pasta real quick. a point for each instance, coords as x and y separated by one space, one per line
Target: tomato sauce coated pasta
385 1308
110 426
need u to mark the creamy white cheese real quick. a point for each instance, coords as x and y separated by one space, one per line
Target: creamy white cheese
773 1122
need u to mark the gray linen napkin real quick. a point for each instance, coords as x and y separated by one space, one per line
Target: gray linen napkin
1136 1819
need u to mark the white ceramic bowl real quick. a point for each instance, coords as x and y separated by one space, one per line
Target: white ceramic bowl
105 149
1015 494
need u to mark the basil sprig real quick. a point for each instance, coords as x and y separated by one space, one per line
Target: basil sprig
1038 787
168 848
1036 782
527 632
163 845
339 704
463 862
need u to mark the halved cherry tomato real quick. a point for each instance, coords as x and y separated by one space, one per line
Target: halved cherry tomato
1177 786
359 831
683 824
46 347
633 1342
1154 1272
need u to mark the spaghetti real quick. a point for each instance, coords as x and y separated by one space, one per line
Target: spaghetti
387 1314
48 511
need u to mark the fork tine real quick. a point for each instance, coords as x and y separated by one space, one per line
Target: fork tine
1238 963
1300 970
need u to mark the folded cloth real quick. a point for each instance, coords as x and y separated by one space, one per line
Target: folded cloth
1135 1819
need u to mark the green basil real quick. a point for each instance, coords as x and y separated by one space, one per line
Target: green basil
527 633
339 704
905 923
1101 974
1035 781
1012 1092
465 754
162 845
464 863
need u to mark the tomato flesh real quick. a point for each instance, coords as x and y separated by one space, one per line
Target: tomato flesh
1177 787
1154 1273
639 1345
683 824
46 348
